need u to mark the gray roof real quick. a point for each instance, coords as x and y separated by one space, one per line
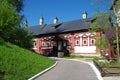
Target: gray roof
74 25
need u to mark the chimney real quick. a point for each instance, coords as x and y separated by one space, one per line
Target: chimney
55 21
84 15
41 20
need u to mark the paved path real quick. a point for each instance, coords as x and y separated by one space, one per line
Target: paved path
69 70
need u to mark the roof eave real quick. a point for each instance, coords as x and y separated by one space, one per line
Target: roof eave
56 33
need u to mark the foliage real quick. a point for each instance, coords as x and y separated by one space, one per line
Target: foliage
8 18
102 24
1 41
21 37
101 5
105 25
116 5
116 10
101 21
111 63
20 64
16 4
101 42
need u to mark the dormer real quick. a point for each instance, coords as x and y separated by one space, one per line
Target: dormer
55 21
41 20
84 15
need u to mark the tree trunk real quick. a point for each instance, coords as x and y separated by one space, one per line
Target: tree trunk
117 34
117 39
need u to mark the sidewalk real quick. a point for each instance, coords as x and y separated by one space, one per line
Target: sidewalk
111 78
74 69
104 78
67 69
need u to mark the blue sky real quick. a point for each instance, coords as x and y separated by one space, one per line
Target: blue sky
65 10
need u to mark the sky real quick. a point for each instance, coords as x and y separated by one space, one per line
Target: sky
65 10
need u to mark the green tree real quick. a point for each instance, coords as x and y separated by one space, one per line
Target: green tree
114 16
22 37
101 23
9 18
116 10
9 22
16 4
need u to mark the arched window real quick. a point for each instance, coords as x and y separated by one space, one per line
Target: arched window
77 40
92 40
84 40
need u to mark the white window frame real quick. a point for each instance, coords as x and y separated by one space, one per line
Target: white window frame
35 44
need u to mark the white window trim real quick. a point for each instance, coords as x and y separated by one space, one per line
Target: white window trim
35 42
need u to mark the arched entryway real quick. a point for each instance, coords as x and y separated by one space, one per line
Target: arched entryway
60 46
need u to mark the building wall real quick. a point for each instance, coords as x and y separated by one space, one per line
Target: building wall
83 43
78 43
85 49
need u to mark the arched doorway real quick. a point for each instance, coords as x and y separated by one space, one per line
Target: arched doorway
60 46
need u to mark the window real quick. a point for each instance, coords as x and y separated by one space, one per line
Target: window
84 40
77 42
35 43
43 43
48 43
92 40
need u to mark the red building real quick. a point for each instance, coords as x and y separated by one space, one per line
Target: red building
70 37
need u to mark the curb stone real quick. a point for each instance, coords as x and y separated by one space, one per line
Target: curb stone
32 78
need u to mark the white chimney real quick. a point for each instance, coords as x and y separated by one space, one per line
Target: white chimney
41 20
55 21
84 15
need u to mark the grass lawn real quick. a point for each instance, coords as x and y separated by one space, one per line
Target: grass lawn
20 64
88 57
